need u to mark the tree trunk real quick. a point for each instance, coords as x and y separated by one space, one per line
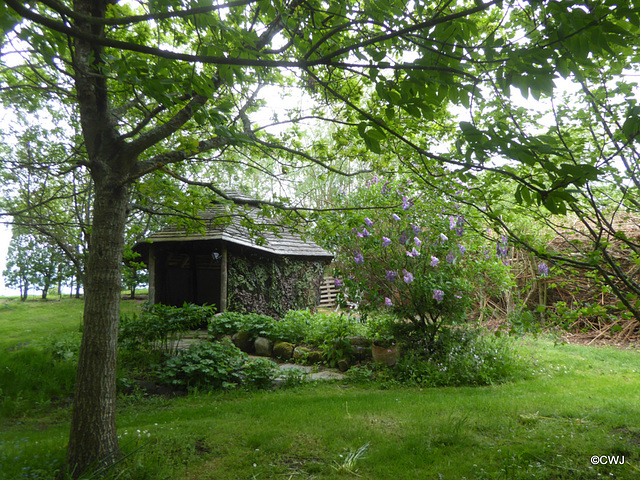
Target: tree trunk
93 443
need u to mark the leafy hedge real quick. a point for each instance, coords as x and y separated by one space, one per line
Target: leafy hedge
297 326
160 327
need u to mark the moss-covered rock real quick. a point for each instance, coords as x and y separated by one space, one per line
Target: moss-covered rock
283 350
301 354
243 341
263 347
343 365
316 357
308 355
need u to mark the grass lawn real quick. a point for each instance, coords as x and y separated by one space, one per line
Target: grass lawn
575 402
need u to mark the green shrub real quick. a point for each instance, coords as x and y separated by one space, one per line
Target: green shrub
384 329
331 332
460 357
294 326
259 373
216 365
254 324
333 326
326 331
162 326
297 326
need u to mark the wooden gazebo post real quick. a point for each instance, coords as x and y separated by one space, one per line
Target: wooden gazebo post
223 279
152 275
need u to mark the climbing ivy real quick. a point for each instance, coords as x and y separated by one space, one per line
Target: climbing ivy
272 285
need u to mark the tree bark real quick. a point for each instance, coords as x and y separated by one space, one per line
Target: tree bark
93 442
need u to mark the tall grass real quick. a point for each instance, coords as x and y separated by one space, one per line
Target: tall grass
39 342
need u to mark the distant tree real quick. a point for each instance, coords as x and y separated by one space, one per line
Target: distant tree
33 262
134 273
17 273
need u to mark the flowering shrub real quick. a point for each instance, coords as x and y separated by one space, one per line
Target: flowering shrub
413 256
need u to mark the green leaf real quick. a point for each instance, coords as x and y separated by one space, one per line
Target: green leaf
376 134
373 144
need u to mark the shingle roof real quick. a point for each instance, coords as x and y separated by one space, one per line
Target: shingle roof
221 223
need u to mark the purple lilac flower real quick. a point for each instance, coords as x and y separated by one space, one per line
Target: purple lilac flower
358 258
460 225
417 241
385 189
443 238
502 250
434 261
413 253
438 295
416 229
543 269
408 277
338 283
386 241
406 203
462 249
359 234
395 217
387 302
368 221
391 276
403 239
365 233
451 258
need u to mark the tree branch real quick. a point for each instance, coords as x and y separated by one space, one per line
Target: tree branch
67 12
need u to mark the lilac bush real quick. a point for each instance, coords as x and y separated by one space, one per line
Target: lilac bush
410 257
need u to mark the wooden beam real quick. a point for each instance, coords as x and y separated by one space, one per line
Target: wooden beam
152 275
223 279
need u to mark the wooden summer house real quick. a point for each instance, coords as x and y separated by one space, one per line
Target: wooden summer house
225 264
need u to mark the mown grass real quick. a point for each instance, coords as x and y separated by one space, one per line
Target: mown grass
35 320
575 402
